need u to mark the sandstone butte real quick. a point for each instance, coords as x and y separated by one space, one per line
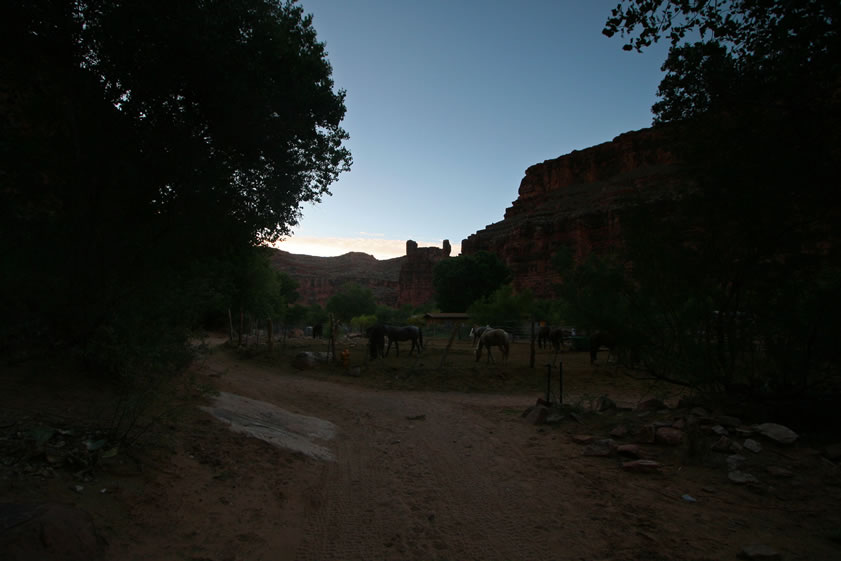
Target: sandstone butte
567 201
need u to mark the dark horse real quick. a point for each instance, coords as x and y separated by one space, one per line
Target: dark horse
317 331
406 333
376 340
546 335
598 340
493 338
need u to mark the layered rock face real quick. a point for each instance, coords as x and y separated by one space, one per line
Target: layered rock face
394 282
574 201
319 278
415 282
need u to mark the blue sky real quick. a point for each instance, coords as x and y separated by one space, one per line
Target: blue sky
450 101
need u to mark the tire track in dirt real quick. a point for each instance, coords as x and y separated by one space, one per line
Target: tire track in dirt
444 487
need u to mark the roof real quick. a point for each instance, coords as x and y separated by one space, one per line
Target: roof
446 315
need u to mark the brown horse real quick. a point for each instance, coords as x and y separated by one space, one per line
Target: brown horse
547 334
494 338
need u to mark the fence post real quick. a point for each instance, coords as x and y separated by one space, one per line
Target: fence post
447 348
561 382
548 383
531 357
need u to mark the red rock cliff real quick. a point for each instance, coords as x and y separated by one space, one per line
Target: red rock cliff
394 282
319 278
573 201
416 273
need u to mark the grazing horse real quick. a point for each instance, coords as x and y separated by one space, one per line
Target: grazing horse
598 340
376 340
546 335
493 338
407 333
477 331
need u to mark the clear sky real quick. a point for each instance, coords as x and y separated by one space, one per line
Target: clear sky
449 101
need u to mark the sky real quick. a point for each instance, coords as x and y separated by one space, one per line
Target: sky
449 101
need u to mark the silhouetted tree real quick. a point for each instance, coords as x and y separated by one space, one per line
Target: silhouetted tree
145 146
724 285
462 280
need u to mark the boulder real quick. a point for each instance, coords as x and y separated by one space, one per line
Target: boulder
603 403
605 447
669 436
538 415
741 477
777 433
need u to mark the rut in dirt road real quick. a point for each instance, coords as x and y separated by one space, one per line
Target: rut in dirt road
444 486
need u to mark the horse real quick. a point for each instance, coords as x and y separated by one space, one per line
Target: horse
493 338
598 340
407 333
376 340
548 334
477 331
317 331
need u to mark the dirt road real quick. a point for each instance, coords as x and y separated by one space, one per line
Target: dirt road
429 476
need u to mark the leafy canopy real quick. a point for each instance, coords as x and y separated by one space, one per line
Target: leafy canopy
148 145
462 280
351 301
722 286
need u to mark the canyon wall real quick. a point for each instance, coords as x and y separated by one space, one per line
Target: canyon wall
415 282
319 278
574 201
394 282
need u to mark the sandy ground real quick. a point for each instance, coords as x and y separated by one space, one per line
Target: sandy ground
347 472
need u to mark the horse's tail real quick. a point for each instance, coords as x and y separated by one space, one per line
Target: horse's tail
420 337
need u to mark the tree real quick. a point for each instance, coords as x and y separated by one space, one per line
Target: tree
717 282
145 146
351 301
503 307
462 280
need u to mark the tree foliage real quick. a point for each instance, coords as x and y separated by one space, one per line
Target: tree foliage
722 286
351 301
502 307
145 147
462 280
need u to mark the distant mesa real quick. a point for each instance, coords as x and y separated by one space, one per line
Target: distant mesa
394 282
571 201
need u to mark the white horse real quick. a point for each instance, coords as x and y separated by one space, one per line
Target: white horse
477 331
494 338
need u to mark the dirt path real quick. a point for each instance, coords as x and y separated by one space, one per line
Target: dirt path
424 476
